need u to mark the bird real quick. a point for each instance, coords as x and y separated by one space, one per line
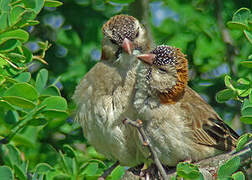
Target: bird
105 93
180 125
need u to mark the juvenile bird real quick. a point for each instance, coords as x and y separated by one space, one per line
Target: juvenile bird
179 123
105 93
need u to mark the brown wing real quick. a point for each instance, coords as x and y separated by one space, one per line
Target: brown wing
208 128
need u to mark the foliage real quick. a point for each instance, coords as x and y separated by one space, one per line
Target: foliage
241 89
45 51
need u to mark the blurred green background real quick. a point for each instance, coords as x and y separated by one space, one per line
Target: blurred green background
198 27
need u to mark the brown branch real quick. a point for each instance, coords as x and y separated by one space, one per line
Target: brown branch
146 142
209 167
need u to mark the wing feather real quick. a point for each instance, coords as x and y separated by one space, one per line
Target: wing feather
208 128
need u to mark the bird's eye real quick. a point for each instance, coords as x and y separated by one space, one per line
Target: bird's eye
137 34
113 41
162 70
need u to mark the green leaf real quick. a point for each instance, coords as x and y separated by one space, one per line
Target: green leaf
32 22
23 77
54 103
37 122
241 15
3 21
54 113
16 14
229 167
16 57
19 101
246 108
18 34
24 141
11 117
56 107
187 170
67 163
243 90
4 5
238 176
248 35
117 173
29 14
6 105
246 119
43 168
236 25
243 81
39 6
8 45
247 63
52 3
69 151
91 169
122 1
225 95
242 141
173 178
23 90
29 3
11 155
6 173
93 153
50 91
19 173
41 80
228 83
27 53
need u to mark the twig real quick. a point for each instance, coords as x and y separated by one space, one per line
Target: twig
208 167
10 63
108 171
146 142
20 125
39 59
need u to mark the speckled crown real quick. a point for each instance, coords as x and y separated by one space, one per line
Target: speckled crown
165 55
121 26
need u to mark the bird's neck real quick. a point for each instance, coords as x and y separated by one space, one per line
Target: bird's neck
127 67
146 95
143 95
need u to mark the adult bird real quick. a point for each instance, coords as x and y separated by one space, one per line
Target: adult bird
104 95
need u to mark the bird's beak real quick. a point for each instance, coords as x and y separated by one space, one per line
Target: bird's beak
147 58
127 46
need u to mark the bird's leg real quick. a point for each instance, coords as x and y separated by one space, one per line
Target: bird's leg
108 171
138 124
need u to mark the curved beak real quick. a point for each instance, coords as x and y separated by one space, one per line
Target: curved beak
147 58
127 46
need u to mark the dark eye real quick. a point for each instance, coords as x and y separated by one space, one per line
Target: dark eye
162 70
113 41
137 34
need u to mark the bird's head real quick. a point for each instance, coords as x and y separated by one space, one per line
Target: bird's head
167 72
123 33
